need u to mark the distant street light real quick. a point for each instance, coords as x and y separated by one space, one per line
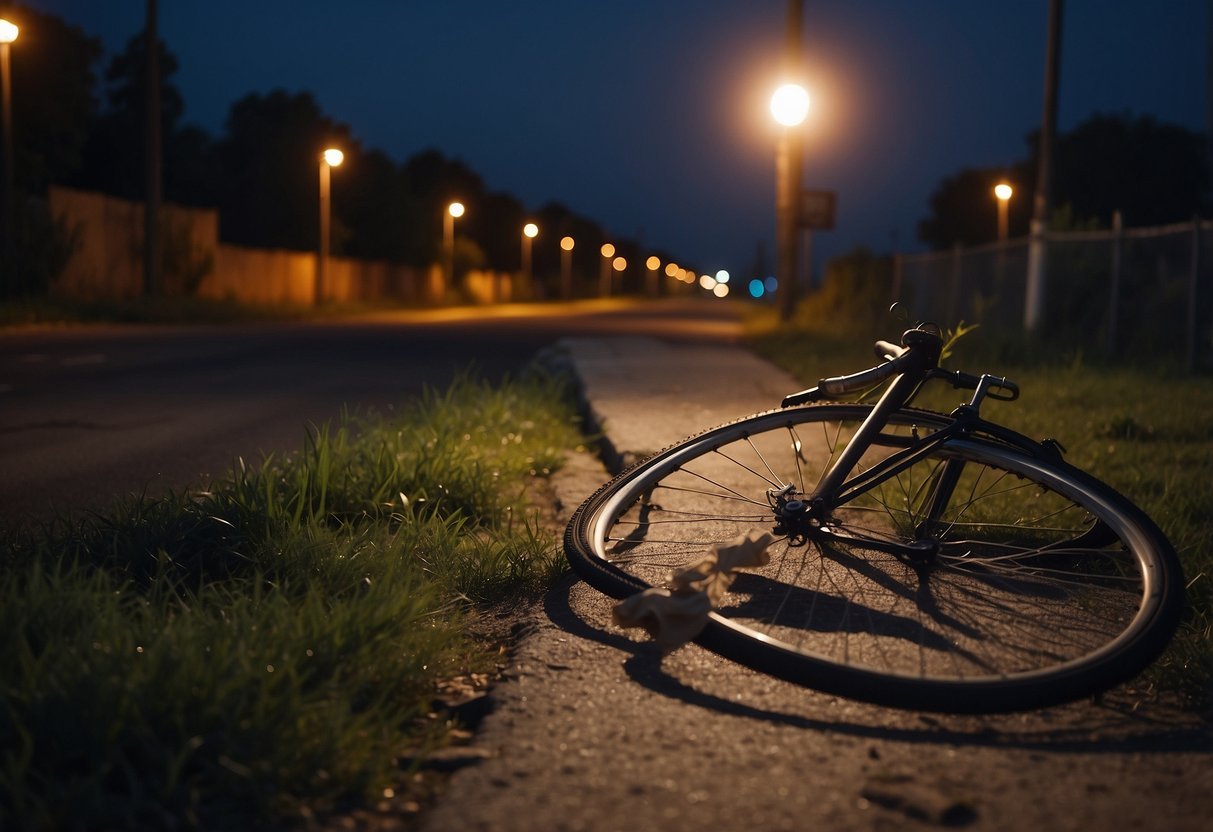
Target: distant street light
790 107
331 158
566 267
604 276
619 264
453 212
8 34
653 264
529 232
1002 192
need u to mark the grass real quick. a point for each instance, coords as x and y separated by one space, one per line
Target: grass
1148 432
264 652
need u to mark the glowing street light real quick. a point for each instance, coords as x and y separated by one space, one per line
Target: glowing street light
789 107
1002 192
529 232
453 212
604 275
329 159
566 267
652 284
8 34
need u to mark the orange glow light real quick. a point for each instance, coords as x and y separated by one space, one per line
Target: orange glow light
619 264
790 105
607 250
566 243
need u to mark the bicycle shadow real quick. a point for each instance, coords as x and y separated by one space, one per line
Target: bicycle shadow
1113 724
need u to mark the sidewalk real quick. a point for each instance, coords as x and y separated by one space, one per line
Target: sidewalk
644 394
595 732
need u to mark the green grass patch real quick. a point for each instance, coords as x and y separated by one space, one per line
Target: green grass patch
1146 432
265 651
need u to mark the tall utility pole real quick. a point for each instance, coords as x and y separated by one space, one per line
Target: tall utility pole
152 180
788 164
1042 201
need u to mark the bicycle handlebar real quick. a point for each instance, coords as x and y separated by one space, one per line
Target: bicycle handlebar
897 359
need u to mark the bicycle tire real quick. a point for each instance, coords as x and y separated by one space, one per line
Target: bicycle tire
1011 614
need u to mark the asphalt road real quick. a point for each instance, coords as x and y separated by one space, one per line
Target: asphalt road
91 413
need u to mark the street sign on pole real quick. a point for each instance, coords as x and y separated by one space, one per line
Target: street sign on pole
817 210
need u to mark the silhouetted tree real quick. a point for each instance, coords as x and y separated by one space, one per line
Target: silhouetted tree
114 157
372 195
1150 171
434 182
270 159
964 210
54 99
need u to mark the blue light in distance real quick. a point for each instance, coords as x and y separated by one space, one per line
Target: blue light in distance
756 288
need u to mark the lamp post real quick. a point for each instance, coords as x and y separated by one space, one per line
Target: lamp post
604 276
651 282
329 159
453 212
529 232
1002 192
8 34
566 267
789 107
619 264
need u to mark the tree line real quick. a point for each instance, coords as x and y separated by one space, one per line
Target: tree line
76 125
82 127
1150 171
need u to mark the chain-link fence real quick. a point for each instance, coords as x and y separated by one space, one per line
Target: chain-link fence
1144 291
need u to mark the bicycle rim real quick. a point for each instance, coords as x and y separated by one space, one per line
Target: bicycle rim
1043 586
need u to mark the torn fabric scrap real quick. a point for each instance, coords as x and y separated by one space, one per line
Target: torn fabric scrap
675 615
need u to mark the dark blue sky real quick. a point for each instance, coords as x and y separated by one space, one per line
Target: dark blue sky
650 115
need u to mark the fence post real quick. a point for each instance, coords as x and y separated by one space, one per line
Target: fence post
1118 243
1193 277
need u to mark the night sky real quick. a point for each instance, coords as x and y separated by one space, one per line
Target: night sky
650 116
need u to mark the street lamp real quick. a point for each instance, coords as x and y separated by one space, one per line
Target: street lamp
329 159
619 264
529 232
8 34
604 276
1002 192
453 212
651 281
789 107
566 267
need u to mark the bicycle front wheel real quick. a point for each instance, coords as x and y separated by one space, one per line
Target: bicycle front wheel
974 577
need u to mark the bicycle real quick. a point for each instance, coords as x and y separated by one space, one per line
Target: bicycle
920 559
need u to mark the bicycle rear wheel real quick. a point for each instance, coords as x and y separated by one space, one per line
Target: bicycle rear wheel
1038 585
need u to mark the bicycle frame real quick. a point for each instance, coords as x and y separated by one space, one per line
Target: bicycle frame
911 367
